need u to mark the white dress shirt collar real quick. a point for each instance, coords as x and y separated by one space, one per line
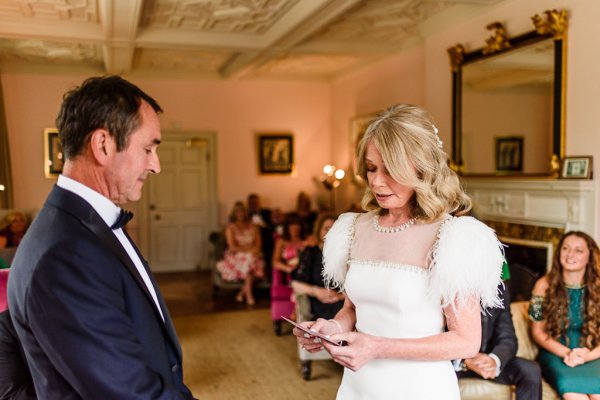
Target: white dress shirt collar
107 210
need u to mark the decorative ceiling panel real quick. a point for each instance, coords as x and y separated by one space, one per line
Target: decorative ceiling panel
160 59
308 66
296 39
53 52
217 16
382 20
64 10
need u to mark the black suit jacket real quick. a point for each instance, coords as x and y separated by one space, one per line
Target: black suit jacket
15 379
85 318
498 332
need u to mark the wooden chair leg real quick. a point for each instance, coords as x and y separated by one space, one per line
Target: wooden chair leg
277 327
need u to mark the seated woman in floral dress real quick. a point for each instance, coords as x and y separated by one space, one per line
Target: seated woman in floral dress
243 259
565 314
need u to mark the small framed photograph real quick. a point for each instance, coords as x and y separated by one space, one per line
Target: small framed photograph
509 154
275 153
358 127
53 154
577 167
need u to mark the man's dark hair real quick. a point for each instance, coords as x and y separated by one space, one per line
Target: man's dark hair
107 102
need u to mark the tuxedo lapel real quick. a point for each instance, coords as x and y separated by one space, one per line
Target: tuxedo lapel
161 301
73 204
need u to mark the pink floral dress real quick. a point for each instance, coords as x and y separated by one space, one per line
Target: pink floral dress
236 265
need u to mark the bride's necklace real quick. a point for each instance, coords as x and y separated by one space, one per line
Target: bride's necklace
392 229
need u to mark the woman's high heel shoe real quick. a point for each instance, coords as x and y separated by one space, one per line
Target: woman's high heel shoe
240 297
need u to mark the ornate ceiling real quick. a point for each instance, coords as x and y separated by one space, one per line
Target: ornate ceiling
284 39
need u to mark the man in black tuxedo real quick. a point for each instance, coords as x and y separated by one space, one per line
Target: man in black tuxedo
83 301
15 379
497 359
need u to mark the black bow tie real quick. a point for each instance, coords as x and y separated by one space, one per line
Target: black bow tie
124 217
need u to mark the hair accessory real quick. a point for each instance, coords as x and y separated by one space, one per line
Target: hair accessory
440 143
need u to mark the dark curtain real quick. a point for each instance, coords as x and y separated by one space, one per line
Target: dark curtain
6 192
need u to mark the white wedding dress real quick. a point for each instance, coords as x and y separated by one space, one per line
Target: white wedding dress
398 283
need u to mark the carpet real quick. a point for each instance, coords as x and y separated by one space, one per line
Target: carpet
236 355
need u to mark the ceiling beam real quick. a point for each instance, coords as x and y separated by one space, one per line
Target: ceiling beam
120 20
312 20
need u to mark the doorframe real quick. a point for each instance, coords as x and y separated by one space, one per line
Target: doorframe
213 202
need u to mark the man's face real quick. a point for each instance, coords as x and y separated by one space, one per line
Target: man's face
130 168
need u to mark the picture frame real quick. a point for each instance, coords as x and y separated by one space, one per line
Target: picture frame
358 127
53 154
577 167
509 154
275 153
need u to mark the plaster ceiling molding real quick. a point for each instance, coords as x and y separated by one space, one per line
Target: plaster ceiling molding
217 16
53 10
53 52
308 66
205 62
391 21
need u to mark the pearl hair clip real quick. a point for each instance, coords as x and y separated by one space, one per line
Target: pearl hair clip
440 143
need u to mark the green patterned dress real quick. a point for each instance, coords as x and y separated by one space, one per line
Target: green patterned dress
581 379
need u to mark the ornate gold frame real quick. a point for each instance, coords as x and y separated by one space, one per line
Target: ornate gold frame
554 25
53 154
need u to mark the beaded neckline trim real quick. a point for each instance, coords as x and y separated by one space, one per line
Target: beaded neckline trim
392 229
574 285
389 264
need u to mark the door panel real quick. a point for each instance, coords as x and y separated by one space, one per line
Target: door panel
179 206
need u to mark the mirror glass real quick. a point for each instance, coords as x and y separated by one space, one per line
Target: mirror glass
507 111
508 101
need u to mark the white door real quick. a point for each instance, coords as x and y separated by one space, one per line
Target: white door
182 203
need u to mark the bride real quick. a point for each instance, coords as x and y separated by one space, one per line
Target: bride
415 276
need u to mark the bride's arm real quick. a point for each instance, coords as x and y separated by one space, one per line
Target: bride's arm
462 340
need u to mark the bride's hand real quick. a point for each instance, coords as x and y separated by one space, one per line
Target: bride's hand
311 343
360 348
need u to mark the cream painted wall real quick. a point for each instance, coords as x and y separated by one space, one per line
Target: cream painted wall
235 110
397 80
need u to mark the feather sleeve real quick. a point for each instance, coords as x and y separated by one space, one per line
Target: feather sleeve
467 261
336 251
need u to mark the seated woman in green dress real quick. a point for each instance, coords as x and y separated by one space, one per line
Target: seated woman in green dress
565 314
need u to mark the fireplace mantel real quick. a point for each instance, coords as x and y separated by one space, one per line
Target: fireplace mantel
566 204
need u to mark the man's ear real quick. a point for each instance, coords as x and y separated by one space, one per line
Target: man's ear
102 145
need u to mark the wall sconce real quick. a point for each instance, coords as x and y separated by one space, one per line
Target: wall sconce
332 179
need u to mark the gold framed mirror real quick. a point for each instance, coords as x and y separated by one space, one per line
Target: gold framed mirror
508 101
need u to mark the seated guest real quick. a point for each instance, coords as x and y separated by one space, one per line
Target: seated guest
303 208
565 314
12 229
307 278
496 360
243 259
286 256
258 216
15 380
277 218
261 217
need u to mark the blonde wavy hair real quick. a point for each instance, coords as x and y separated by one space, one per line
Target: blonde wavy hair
411 151
556 299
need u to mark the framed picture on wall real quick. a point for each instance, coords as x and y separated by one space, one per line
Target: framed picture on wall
358 127
509 154
53 153
577 167
275 153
